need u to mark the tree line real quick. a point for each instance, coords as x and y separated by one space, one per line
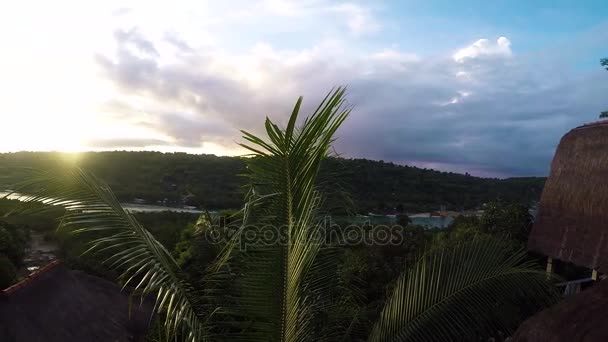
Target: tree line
213 182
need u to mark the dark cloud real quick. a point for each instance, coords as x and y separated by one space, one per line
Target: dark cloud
488 113
191 132
125 143
509 125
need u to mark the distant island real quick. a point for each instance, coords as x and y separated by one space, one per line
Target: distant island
212 182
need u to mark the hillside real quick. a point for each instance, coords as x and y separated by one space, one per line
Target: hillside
214 182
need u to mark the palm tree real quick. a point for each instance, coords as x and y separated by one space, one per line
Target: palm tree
281 288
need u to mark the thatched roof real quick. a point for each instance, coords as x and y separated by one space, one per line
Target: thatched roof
572 221
59 304
576 319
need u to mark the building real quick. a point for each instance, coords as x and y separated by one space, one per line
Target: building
59 304
582 317
572 221
572 226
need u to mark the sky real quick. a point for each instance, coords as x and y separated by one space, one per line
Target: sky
484 87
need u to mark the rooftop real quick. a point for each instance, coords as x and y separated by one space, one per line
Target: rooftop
578 318
572 223
59 304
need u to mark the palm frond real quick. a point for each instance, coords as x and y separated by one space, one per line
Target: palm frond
461 292
276 287
141 260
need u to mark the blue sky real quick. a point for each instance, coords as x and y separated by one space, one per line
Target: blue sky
485 87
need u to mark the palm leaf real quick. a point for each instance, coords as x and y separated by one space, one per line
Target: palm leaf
142 261
284 281
461 292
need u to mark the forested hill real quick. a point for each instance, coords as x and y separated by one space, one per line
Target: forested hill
214 182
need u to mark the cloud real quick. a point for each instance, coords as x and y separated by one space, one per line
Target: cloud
174 39
393 60
132 37
359 19
125 143
484 48
356 17
483 110
284 7
189 131
121 11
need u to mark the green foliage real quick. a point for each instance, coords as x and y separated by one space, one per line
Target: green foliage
39 218
6 240
500 219
166 226
194 252
131 250
184 250
463 292
465 228
381 187
403 220
153 176
374 186
13 240
8 272
371 270
286 283
511 220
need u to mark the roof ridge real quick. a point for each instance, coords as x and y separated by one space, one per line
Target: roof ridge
30 278
593 124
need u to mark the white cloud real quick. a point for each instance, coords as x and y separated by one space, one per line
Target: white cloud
393 55
390 60
438 114
287 8
192 75
359 19
484 48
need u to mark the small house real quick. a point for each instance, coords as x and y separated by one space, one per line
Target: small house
572 226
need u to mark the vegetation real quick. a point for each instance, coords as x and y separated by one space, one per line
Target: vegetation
152 176
503 220
272 277
8 273
171 229
213 182
13 239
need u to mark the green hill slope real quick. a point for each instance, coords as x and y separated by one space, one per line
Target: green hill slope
214 182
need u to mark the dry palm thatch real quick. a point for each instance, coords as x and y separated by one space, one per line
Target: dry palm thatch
572 224
578 318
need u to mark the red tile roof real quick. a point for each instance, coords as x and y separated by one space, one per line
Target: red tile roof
57 304
29 279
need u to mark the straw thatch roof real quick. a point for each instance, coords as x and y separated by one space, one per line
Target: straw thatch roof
572 221
59 304
576 319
